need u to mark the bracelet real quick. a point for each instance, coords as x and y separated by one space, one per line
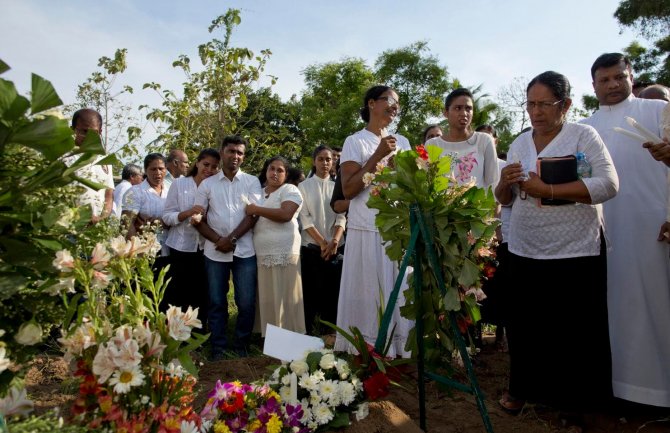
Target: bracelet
551 187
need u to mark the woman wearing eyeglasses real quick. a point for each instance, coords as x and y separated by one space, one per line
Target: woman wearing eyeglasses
367 273
473 153
558 332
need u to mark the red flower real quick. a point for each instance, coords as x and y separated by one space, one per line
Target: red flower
463 323
376 386
421 150
489 270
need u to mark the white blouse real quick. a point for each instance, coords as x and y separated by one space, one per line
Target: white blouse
183 236
572 230
144 200
278 243
476 157
316 211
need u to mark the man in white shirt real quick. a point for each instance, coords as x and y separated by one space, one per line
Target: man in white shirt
638 269
177 166
229 246
130 175
100 201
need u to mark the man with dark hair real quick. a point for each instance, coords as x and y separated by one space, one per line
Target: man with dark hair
130 175
100 201
638 269
177 166
229 247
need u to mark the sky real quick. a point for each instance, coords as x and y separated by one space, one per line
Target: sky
488 42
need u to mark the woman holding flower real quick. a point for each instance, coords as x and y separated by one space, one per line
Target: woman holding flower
187 264
473 153
368 275
558 331
322 231
277 245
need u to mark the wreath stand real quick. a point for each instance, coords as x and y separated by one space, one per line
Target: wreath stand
419 229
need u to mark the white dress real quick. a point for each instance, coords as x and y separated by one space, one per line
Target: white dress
476 157
638 267
368 275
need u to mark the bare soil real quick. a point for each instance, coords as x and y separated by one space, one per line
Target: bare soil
51 384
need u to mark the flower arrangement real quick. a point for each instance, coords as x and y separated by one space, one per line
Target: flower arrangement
236 407
132 359
324 386
459 219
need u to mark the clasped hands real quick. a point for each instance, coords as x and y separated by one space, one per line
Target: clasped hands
531 185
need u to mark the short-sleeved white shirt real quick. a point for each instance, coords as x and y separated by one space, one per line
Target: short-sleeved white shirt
222 199
573 230
144 200
101 174
358 148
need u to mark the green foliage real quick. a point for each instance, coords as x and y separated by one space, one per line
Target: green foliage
37 208
651 18
332 101
216 101
421 83
460 227
45 423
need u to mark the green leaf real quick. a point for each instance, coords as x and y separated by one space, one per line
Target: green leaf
340 420
50 136
451 299
12 105
10 283
43 95
49 243
92 143
313 360
89 183
469 273
110 159
4 67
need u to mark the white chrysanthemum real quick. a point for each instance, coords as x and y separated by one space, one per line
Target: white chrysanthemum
100 256
346 392
286 380
356 382
285 393
4 362
308 382
63 261
123 380
314 398
318 376
103 364
328 390
306 411
342 368
322 414
327 361
362 411
299 367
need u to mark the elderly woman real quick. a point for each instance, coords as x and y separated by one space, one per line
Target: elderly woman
368 275
473 153
143 204
187 263
277 245
558 332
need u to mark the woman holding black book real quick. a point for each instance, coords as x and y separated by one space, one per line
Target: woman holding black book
558 331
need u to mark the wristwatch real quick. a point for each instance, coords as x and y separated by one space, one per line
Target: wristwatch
233 240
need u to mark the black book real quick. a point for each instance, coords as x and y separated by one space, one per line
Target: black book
557 170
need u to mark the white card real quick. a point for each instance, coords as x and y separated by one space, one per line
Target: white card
288 345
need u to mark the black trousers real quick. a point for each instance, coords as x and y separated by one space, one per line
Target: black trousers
320 288
188 282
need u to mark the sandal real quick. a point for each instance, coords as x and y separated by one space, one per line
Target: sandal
510 404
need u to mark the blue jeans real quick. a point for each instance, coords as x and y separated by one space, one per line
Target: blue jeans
244 282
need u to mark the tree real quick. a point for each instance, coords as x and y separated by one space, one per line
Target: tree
213 101
651 18
512 99
120 130
332 100
421 83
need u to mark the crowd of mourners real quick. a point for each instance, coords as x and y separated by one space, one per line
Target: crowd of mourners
582 289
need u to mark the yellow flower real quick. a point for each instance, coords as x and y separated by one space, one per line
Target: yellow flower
252 426
274 424
275 395
221 427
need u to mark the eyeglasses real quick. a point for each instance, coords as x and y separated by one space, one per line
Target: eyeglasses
389 100
542 105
